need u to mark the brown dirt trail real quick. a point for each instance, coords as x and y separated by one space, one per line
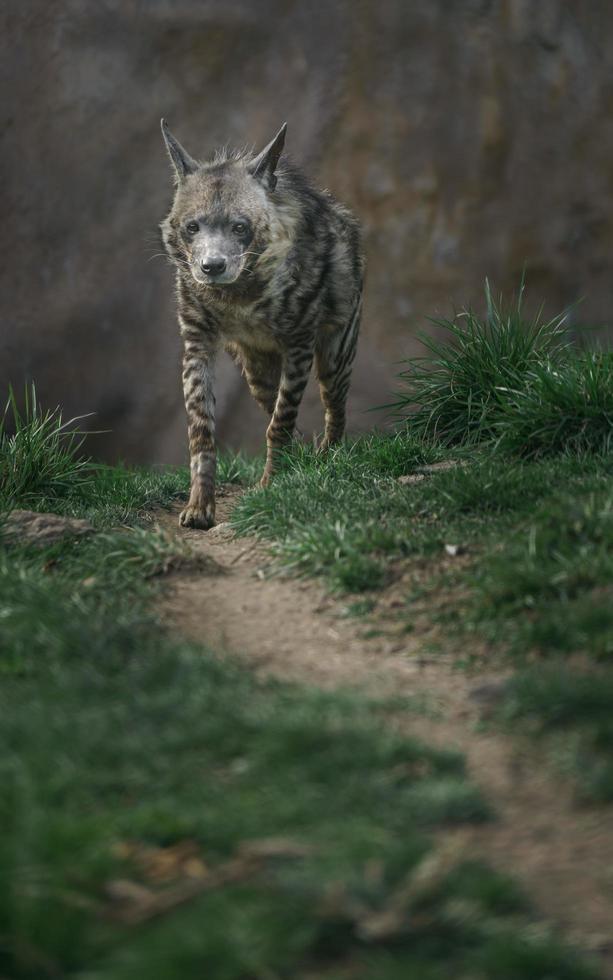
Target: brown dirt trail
293 629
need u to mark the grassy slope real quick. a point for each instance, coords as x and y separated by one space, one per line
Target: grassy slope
114 736
531 421
538 563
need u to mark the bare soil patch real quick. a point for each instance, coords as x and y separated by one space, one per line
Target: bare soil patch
293 629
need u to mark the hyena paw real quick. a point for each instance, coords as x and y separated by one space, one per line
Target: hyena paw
333 437
200 517
266 478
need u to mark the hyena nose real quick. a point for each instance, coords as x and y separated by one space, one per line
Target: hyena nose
213 266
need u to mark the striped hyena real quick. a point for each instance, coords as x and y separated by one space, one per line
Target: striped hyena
271 269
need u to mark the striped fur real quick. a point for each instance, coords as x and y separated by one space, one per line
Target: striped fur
271 269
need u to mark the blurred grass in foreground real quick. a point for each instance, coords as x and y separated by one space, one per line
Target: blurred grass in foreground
119 741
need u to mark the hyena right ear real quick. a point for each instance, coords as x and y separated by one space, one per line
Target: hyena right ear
182 162
264 165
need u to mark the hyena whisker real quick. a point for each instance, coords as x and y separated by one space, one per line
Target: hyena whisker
173 260
158 255
302 304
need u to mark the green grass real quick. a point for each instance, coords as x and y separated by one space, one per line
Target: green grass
564 404
39 453
536 535
112 734
528 420
574 707
116 737
510 382
42 468
537 538
338 516
238 468
552 582
348 517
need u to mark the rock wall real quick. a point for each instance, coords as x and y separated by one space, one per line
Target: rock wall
473 137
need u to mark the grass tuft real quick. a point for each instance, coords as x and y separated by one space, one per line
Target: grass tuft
457 391
39 453
510 382
564 404
238 468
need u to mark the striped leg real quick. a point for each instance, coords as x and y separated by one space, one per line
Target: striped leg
294 377
198 376
262 371
334 360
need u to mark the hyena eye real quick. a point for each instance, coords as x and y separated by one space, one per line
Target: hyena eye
192 227
239 228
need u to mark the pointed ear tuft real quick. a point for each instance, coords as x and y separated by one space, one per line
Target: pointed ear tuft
182 163
263 166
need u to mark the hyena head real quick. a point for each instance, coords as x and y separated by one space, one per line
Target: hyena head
220 221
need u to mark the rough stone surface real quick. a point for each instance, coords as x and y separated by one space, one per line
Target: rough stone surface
423 472
441 467
410 478
29 527
472 138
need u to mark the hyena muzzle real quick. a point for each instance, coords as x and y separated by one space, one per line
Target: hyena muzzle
271 269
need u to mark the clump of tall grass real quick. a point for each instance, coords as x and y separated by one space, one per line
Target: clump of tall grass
564 404
509 381
40 453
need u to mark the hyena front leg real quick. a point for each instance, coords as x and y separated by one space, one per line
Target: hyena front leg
334 361
296 366
198 376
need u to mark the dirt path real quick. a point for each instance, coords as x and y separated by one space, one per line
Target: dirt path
293 630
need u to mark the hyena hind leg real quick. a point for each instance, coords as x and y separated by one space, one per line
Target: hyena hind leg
333 363
294 376
262 370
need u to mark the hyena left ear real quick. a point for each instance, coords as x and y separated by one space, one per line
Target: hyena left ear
182 162
264 165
